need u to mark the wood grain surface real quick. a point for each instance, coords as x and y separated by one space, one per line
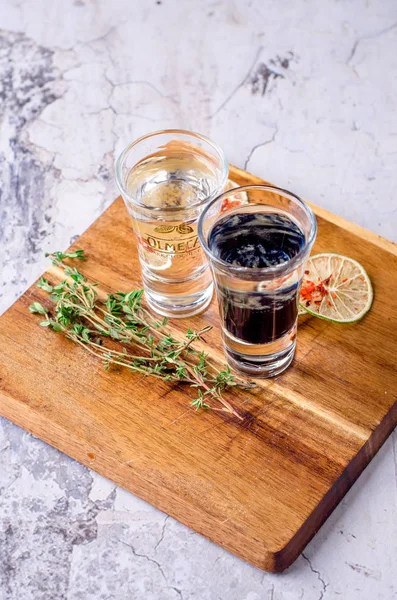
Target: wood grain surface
260 488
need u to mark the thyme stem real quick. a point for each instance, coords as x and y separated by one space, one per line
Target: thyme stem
88 317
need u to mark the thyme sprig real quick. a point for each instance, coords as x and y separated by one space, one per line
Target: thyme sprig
119 330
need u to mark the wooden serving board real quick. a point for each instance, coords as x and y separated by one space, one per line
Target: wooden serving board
260 488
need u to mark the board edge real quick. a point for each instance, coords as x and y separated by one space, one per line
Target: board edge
42 427
286 556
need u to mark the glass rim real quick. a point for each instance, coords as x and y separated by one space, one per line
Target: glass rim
124 192
281 268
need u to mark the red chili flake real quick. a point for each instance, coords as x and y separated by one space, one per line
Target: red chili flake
344 280
329 303
362 279
225 205
333 295
91 455
307 272
313 292
327 280
228 204
307 303
307 290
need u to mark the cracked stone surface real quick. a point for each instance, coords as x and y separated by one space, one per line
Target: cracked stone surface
305 98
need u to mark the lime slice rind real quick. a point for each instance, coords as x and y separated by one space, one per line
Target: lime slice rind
335 288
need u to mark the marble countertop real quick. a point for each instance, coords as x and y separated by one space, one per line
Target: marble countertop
302 93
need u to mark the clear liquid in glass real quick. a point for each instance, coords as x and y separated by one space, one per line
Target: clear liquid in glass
167 187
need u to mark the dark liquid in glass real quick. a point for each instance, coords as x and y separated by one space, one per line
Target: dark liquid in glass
257 240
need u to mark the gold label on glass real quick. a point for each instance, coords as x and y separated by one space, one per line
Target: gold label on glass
177 246
183 228
177 241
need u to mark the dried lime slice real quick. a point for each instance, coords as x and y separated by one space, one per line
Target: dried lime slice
336 288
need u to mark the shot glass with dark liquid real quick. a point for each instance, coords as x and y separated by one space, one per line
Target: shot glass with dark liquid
258 239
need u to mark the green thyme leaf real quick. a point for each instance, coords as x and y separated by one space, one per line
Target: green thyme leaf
44 285
60 256
36 307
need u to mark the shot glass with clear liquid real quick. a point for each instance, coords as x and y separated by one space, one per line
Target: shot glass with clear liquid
258 239
166 179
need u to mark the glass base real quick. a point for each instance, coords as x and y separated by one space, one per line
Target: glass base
261 365
178 306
